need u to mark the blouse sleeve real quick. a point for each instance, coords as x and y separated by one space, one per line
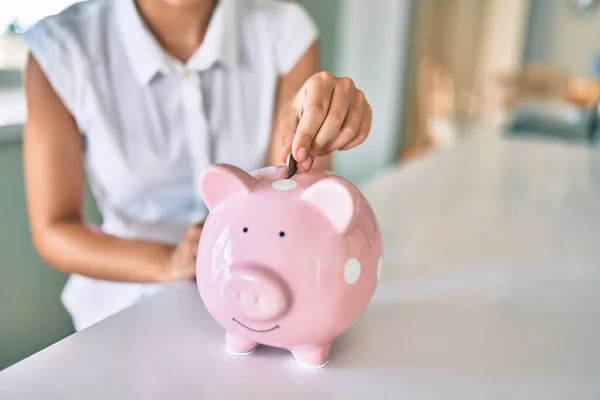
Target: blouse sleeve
295 34
55 51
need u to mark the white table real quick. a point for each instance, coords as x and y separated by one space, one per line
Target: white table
491 290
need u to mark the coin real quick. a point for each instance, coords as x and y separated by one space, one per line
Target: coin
291 166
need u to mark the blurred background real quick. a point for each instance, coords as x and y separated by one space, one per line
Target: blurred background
435 72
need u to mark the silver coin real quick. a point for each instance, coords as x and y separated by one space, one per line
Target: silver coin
291 166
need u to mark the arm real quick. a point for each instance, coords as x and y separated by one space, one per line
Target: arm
317 114
289 85
54 181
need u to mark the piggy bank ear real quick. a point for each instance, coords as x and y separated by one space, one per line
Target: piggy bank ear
334 200
221 182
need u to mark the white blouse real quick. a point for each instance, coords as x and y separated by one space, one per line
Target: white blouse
152 124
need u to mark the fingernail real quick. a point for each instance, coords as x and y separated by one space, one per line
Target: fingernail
283 154
306 164
302 154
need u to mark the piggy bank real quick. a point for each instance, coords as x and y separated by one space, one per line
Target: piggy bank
287 263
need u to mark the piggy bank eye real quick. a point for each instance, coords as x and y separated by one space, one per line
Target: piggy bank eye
281 234
245 229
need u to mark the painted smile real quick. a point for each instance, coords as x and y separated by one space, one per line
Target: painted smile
255 330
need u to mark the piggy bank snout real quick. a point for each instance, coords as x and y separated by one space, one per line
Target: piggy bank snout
255 293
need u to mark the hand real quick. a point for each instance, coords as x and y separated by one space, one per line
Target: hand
326 115
182 261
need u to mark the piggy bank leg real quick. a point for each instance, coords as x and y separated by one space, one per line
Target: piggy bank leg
238 345
313 356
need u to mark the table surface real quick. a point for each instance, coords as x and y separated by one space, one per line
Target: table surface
490 289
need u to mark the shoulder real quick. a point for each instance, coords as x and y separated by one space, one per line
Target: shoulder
288 26
79 15
274 8
73 28
278 13
61 45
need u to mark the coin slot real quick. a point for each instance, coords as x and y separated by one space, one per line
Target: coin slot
284 184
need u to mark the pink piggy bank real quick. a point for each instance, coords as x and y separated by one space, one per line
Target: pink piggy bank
288 263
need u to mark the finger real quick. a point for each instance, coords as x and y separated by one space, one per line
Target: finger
337 113
317 98
195 228
191 253
193 237
191 272
286 126
351 124
363 132
191 258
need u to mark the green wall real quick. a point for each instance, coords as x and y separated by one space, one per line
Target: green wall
327 17
31 315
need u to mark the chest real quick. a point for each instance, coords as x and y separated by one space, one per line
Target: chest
144 139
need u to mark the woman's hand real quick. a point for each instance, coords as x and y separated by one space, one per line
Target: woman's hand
182 262
326 114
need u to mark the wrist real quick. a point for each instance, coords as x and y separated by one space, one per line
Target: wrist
165 273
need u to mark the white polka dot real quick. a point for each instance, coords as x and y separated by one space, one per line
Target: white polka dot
379 267
284 184
352 271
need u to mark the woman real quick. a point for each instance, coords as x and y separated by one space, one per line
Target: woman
143 95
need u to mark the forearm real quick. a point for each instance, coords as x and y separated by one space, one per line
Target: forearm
75 248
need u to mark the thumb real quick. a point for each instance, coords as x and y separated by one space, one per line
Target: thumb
193 232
